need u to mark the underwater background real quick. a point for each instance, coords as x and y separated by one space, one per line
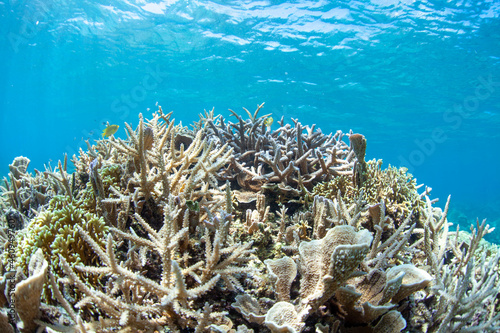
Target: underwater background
420 79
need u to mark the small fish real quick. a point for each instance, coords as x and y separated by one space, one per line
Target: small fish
269 121
110 130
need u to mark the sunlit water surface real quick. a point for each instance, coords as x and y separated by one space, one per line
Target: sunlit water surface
420 79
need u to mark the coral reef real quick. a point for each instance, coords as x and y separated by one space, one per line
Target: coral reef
286 157
55 232
24 192
235 227
395 186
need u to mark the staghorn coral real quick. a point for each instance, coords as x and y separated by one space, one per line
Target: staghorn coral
465 289
213 229
158 159
166 168
24 193
180 283
287 157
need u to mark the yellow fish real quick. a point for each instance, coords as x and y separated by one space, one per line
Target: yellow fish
110 130
269 121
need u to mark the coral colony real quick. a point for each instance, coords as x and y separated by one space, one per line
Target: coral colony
236 227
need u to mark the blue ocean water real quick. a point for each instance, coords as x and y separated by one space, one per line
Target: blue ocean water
420 79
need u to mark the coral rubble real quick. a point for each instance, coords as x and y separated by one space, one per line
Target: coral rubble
235 227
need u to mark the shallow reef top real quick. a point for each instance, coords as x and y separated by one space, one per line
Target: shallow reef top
236 226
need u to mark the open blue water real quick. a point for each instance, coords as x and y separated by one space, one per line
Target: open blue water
420 79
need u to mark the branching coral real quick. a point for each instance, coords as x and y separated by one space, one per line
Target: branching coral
395 186
287 156
214 229
158 159
465 289
25 193
132 300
